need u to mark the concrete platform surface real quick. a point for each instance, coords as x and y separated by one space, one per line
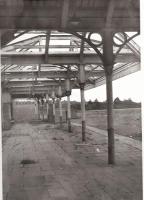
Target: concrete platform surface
41 162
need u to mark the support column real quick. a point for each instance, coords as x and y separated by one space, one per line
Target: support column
82 84
68 93
68 113
38 108
60 110
108 66
42 103
60 103
47 106
83 112
54 111
11 105
53 101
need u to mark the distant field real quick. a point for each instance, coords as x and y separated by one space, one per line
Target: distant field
127 122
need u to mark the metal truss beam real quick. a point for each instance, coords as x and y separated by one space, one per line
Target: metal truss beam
40 89
49 74
73 58
38 83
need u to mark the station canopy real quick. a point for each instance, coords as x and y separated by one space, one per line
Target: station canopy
41 47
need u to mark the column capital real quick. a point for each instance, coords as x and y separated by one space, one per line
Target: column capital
59 94
82 85
82 76
53 99
42 101
108 69
68 93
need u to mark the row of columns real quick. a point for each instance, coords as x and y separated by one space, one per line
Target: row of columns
40 107
40 103
7 110
108 62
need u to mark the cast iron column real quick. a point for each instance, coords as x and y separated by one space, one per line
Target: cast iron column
53 110
38 108
53 100
108 66
83 111
68 93
47 106
60 110
82 84
42 103
60 104
11 105
68 112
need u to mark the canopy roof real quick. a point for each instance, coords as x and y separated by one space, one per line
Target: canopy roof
75 15
27 68
40 49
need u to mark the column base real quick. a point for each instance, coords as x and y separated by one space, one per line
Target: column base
6 125
54 119
47 118
38 117
83 131
12 121
69 125
43 118
111 154
61 122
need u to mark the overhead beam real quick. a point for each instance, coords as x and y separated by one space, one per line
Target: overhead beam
73 58
35 83
49 74
53 46
25 90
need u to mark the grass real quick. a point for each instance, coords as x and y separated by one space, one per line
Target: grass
127 122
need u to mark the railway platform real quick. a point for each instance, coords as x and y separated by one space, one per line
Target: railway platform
41 161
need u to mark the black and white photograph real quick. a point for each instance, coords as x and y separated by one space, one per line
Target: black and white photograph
71 99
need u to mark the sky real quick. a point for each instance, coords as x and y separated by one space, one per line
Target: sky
124 88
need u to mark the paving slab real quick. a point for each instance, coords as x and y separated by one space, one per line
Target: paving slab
58 166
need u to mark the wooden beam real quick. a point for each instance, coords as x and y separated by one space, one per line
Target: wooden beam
65 13
45 15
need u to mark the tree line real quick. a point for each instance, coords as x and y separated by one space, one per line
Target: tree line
97 105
